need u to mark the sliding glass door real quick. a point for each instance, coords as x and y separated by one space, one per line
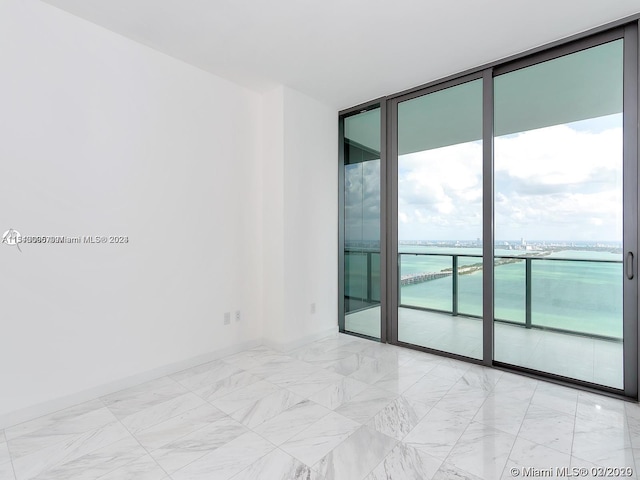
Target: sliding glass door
439 219
558 167
504 230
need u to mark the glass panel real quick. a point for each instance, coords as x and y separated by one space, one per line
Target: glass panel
558 216
568 295
470 286
425 280
375 277
509 285
362 223
440 220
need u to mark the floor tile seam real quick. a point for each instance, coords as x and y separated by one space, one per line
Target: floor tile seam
503 395
183 372
603 422
275 363
517 435
496 428
153 458
508 458
329 412
626 422
74 436
149 406
428 455
312 467
260 379
370 357
235 391
294 360
397 442
193 389
279 447
471 475
404 363
444 395
149 453
402 393
546 446
446 457
282 411
135 460
223 445
594 463
92 451
208 401
186 434
228 415
348 437
420 420
556 410
325 371
13 468
54 413
372 416
483 391
359 425
133 432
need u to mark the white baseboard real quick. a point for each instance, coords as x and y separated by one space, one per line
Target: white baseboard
288 346
51 406
60 403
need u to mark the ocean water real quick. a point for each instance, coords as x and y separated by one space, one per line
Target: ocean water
579 296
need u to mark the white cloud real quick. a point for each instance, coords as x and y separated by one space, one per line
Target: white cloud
551 183
441 192
558 155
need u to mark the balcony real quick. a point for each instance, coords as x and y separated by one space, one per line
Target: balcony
551 314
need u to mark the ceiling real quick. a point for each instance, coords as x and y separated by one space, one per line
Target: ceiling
344 52
583 86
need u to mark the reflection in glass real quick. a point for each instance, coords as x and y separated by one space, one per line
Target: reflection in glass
362 223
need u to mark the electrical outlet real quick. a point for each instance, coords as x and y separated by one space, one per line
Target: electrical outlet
313 308
237 315
227 318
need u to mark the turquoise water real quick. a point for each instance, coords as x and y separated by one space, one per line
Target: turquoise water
579 296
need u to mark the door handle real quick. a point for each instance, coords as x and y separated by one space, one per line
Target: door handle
629 266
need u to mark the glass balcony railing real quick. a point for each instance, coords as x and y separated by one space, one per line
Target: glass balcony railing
581 296
362 279
563 294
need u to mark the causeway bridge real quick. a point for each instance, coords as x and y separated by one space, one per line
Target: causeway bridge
413 278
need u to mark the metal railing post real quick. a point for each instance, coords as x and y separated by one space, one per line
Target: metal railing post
399 273
527 297
454 274
369 281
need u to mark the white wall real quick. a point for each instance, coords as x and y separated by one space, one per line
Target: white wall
301 238
273 213
102 136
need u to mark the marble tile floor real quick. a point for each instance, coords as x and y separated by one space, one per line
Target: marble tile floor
590 359
340 408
